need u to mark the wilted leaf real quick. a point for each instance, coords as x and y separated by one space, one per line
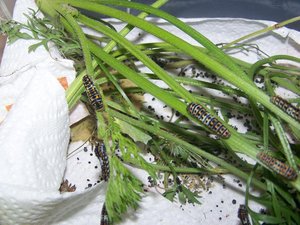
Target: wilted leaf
82 130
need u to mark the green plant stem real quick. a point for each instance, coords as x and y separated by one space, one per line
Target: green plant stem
284 142
81 37
266 129
74 90
188 170
271 59
139 54
118 87
129 27
181 129
213 65
188 146
199 83
262 31
212 48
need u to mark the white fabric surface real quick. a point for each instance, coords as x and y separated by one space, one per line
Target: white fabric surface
34 138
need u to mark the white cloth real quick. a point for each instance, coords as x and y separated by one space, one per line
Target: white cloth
34 137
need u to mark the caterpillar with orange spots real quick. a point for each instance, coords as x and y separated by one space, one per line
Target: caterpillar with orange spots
93 95
277 166
208 120
286 107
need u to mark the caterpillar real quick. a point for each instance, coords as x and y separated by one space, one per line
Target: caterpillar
104 216
277 166
286 107
208 120
243 215
92 93
100 152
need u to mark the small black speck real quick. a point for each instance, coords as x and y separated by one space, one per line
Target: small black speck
153 99
96 167
217 206
85 149
91 154
220 218
87 179
165 106
90 185
222 201
89 162
77 158
210 192
234 201
240 185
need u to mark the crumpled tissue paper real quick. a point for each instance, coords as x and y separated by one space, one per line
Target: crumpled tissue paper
34 137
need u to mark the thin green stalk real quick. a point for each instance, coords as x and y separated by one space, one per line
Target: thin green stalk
66 12
266 129
213 65
269 60
219 102
285 83
129 27
235 142
135 78
191 148
199 83
189 170
214 50
181 129
284 142
140 55
118 87
262 31
164 157
75 87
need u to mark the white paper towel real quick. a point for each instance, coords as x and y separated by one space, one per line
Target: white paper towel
34 136
34 201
